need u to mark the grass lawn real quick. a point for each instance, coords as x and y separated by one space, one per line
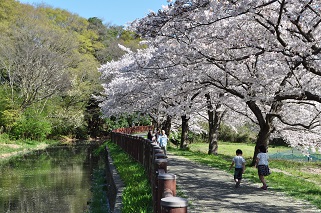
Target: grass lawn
296 178
229 149
10 148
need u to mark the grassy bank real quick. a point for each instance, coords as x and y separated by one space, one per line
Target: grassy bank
136 196
298 179
10 148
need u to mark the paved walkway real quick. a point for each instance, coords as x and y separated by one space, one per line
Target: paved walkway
210 190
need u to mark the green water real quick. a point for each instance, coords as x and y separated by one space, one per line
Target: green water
57 179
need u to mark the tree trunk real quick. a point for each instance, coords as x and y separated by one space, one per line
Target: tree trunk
262 139
265 123
214 121
184 131
212 135
167 125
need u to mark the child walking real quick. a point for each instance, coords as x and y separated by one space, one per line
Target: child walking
239 163
262 165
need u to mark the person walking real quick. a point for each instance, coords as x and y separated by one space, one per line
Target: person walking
156 135
162 141
239 163
150 135
262 165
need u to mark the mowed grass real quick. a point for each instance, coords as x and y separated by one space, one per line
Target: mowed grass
298 179
229 149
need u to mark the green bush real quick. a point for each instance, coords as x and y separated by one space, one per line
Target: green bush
195 137
242 138
34 127
68 123
126 120
116 122
4 138
226 133
243 134
175 137
81 132
8 118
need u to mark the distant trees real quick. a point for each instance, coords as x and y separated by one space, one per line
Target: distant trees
48 69
35 61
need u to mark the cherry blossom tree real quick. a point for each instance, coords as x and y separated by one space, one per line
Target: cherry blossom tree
265 53
123 90
175 95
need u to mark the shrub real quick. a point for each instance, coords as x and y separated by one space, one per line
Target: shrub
8 118
34 127
243 134
195 137
175 137
226 133
126 120
81 132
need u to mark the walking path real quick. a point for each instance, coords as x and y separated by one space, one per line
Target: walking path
210 190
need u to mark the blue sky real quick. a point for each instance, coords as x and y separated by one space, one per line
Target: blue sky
116 12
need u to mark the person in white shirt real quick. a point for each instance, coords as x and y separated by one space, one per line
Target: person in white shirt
162 141
262 165
239 163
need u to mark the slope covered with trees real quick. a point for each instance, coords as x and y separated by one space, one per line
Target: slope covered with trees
48 69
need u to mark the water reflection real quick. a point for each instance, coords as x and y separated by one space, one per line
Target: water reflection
57 179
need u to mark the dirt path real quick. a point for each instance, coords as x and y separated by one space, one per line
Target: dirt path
210 190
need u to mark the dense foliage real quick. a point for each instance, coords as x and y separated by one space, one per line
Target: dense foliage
48 70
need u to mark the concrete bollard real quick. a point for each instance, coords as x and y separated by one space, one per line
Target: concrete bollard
157 150
159 164
160 156
151 157
167 182
173 205
166 187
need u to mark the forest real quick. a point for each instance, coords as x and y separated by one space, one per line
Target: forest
48 70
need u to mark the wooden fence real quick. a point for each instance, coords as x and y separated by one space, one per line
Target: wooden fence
155 162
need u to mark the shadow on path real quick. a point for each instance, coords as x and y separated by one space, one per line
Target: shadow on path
212 190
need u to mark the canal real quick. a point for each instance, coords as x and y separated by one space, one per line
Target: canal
64 179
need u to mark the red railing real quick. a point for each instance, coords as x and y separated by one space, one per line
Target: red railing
133 130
